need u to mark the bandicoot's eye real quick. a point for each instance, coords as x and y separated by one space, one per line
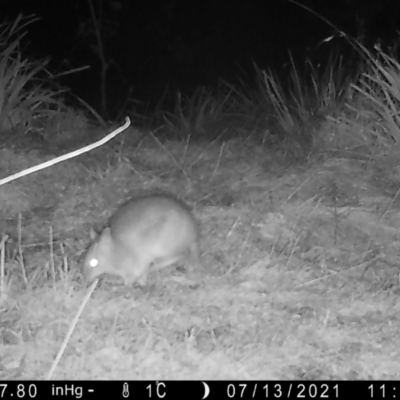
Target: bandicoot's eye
94 262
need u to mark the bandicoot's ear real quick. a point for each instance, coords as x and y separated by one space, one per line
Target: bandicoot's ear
93 234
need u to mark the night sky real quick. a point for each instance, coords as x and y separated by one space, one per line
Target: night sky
158 47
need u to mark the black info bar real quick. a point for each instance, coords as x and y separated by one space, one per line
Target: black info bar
200 390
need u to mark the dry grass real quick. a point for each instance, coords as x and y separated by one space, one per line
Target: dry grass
284 292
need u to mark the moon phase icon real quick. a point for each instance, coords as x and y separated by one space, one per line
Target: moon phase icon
206 390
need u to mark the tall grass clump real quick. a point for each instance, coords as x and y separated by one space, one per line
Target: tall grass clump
23 97
193 114
302 102
376 100
225 112
291 111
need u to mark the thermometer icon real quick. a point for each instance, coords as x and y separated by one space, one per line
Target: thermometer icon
125 390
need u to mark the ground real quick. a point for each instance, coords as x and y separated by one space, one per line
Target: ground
299 275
